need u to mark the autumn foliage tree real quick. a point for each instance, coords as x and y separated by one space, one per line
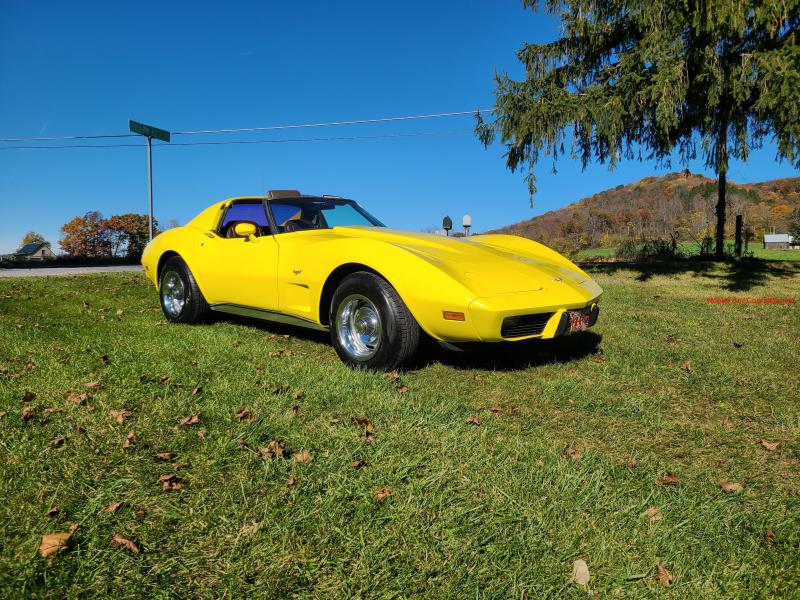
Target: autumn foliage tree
648 79
93 236
32 238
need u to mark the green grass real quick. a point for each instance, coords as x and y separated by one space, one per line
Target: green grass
692 249
498 510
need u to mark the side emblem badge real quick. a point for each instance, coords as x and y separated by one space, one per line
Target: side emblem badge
297 271
557 280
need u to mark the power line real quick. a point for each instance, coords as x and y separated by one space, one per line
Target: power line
229 142
251 129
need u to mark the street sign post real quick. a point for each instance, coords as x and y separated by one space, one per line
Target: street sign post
149 132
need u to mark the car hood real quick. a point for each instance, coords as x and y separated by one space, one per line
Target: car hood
488 270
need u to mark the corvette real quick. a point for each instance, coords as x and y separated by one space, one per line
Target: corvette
324 262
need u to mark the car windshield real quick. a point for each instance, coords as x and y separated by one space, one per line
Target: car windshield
319 213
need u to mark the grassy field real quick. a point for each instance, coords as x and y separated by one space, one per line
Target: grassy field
692 249
477 475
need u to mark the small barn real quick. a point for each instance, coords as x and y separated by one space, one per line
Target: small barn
35 251
777 240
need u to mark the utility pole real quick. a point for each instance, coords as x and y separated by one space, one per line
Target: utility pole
149 132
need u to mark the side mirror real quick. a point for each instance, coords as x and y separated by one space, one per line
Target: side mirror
245 230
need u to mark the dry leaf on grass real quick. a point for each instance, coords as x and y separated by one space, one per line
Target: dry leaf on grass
170 482
653 514
291 483
93 385
281 389
118 541
663 576
119 312
383 493
304 456
104 359
130 440
687 366
114 507
165 456
2 414
473 420
738 344
193 420
201 433
245 416
770 446
580 572
273 450
77 398
119 415
730 486
28 396
401 389
571 453
53 542
299 394
197 391
359 464
28 412
668 479
57 441
53 512
391 376
769 535
631 464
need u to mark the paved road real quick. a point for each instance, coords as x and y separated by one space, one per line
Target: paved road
58 271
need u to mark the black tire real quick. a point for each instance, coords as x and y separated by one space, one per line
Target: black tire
194 308
363 293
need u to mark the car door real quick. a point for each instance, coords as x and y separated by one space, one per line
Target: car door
242 271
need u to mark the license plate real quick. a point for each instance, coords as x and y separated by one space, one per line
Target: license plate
578 320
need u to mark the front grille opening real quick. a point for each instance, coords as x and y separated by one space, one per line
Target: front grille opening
523 325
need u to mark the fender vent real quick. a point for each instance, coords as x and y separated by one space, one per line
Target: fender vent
523 325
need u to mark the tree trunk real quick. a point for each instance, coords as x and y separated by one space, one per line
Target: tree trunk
719 250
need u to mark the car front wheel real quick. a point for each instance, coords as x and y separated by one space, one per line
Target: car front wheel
181 299
370 325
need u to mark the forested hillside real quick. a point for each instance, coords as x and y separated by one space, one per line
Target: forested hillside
658 207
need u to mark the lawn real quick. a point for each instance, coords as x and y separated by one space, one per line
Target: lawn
476 475
693 249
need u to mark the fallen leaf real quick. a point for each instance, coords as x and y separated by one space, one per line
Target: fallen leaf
28 396
770 446
77 398
2 414
28 412
166 456
359 464
201 433
50 411
163 378
335 421
273 450
668 479
53 542
663 576
119 415
304 456
130 440
104 359
122 542
298 394
653 514
281 389
730 486
193 420
729 423
687 366
401 389
769 535
53 512
383 493
57 441
473 420
197 391
572 453
391 376
245 416
170 482
93 385
291 483
114 507
365 423
738 344
631 464
580 572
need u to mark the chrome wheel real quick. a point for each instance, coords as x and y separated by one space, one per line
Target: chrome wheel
358 327
173 294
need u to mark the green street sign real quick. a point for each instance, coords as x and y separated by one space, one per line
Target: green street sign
149 131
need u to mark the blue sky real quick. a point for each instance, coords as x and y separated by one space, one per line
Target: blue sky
87 67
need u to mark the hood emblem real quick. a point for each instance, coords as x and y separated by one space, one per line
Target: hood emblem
557 280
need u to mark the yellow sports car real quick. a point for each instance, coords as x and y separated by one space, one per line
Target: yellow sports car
324 262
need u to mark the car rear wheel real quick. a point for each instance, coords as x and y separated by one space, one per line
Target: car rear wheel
181 299
370 324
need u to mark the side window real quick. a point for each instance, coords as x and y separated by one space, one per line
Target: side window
244 211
